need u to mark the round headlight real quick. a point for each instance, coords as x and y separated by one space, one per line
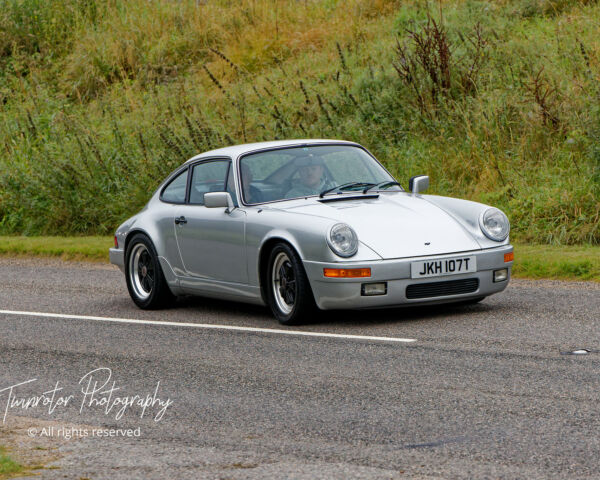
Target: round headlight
342 240
494 224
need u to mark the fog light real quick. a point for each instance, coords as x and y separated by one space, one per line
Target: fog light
500 275
369 289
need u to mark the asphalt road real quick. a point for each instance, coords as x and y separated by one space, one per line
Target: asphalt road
484 391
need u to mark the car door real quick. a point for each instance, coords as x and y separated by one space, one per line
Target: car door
211 241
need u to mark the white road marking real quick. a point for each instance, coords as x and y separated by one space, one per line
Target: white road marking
208 326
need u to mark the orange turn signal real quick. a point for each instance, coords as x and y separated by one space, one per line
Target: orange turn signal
347 272
509 257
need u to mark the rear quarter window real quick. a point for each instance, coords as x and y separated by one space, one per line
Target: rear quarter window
174 192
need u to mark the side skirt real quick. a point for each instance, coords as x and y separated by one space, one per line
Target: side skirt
237 292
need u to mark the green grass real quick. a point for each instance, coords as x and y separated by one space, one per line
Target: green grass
570 262
66 248
8 467
557 262
100 100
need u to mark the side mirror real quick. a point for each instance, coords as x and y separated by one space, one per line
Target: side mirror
219 200
418 184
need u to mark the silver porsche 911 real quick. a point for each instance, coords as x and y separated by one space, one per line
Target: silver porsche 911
305 224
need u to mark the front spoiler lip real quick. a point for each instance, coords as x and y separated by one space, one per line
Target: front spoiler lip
344 293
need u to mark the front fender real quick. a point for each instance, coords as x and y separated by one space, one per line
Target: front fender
466 213
306 234
309 239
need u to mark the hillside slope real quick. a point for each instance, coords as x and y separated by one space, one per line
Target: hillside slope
498 101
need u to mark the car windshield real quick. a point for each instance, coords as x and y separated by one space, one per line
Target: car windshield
310 170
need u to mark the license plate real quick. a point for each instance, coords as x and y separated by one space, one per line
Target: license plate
443 266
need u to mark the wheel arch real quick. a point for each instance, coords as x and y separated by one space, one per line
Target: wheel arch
165 265
160 293
132 233
263 260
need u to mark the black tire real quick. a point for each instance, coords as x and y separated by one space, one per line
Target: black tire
291 301
147 285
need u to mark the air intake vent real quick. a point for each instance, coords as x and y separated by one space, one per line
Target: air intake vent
442 289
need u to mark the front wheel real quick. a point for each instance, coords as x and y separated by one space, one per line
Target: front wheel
145 280
288 291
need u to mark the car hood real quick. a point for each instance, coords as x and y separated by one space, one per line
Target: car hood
395 225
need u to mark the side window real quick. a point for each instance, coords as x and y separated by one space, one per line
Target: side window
208 177
174 192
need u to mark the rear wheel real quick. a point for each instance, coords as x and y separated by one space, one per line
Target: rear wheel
145 280
288 292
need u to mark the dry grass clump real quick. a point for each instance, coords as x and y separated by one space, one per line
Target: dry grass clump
154 43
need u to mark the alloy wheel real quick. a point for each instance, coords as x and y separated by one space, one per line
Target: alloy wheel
141 271
283 283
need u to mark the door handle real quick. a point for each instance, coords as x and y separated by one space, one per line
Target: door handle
180 220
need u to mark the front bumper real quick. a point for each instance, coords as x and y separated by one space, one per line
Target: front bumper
345 293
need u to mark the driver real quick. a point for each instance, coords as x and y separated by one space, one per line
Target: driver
251 193
311 178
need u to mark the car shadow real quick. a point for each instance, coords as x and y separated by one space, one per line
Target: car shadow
220 306
338 317
399 314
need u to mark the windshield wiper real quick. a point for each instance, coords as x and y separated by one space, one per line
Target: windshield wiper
381 185
346 185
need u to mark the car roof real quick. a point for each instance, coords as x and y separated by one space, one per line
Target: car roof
234 151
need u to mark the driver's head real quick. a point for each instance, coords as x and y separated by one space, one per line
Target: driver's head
310 171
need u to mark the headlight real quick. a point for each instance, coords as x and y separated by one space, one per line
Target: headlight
342 240
494 224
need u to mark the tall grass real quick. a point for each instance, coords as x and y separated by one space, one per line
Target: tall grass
496 101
